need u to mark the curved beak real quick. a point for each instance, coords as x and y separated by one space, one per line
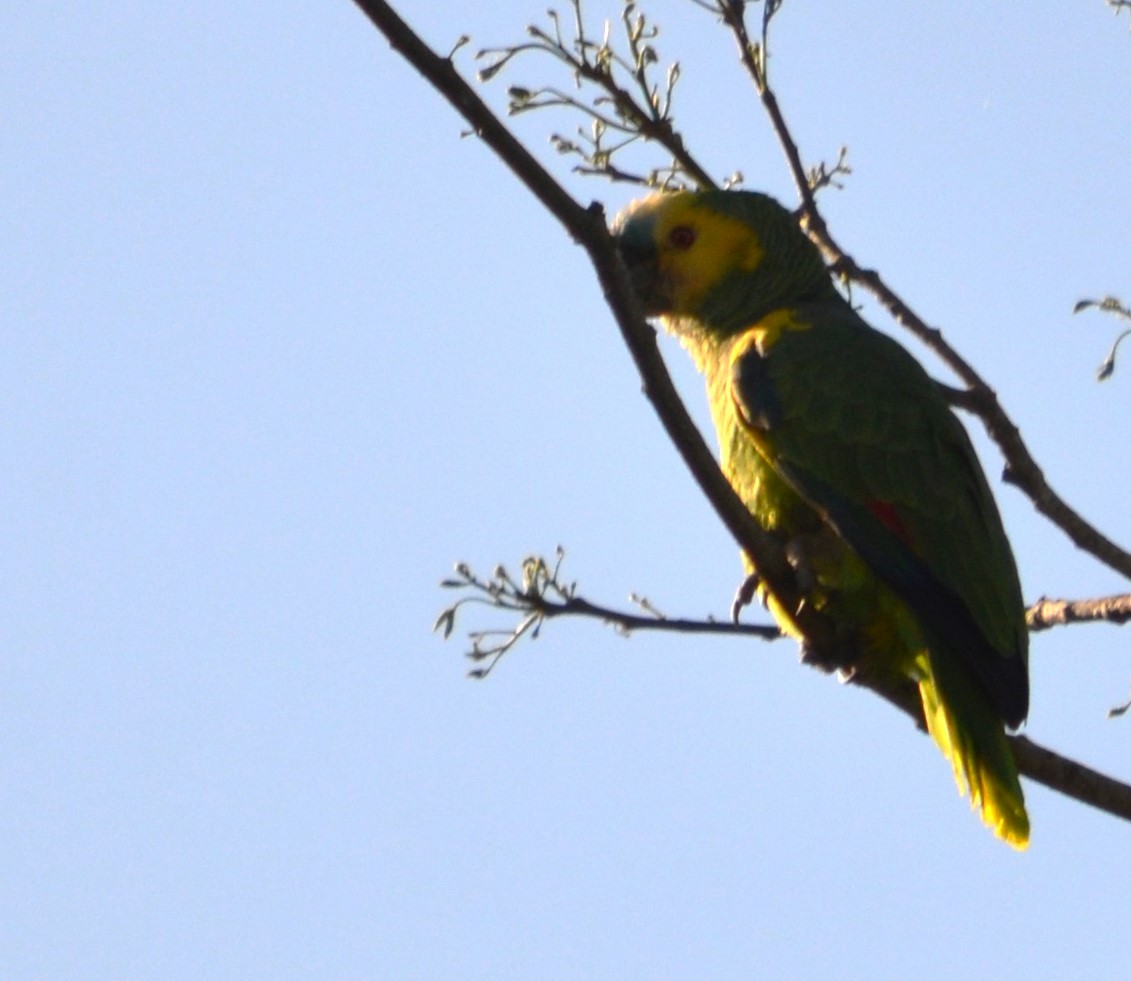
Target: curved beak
636 244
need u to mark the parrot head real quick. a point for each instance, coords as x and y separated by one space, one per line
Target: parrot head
717 258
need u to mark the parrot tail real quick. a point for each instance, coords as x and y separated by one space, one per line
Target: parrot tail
971 736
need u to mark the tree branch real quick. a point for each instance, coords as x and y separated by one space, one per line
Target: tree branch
1047 613
543 595
587 226
1071 778
642 113
1021 469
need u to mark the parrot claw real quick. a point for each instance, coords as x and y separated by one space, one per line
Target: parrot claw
744 595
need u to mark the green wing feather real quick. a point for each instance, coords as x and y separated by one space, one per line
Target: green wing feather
856 428
854 420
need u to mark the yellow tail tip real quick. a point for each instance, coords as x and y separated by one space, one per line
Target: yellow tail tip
1017 837
1001 807
984 767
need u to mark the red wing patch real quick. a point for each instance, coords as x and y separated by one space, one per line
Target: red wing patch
891 520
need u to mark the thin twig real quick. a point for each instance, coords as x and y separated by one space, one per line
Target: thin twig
630 622
1113 306
543 595
641 111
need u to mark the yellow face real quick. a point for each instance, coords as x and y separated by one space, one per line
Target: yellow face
695 248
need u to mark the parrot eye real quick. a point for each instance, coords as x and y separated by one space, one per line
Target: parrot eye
681 237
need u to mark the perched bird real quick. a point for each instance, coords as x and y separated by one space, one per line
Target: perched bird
841 445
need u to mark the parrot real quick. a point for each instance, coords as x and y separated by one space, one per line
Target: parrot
844 449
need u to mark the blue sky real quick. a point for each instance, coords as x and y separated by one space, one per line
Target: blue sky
279 346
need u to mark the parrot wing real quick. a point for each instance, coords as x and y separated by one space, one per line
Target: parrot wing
853 423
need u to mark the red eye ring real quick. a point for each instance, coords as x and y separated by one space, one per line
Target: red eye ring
681 237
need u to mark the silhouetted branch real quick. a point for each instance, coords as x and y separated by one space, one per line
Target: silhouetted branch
542 595
1021 469
641 109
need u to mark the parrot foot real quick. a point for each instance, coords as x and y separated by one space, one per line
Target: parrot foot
744 595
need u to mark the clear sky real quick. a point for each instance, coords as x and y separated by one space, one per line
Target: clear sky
278 346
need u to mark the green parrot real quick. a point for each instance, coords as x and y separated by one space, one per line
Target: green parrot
839 443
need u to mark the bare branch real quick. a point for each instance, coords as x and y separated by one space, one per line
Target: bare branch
1021 469
1071 778
542 595
629 100
1046 613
